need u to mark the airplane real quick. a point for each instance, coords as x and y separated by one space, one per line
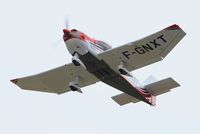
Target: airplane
94 60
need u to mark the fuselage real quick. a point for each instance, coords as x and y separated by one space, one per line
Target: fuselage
86 50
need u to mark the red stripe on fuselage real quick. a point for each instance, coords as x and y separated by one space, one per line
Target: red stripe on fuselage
85 37
80 35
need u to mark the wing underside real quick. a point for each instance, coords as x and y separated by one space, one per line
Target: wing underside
145 51
56 80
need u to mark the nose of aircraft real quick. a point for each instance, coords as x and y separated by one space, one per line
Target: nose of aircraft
66 34
65 31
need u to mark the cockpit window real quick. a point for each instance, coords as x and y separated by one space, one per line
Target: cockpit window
103 45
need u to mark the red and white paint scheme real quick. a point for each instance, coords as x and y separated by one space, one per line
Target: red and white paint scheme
79 42
94 60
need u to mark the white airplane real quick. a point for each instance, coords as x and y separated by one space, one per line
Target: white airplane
94 60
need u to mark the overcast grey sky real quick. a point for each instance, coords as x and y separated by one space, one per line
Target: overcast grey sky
30 43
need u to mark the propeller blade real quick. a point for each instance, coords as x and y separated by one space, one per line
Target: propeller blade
67 22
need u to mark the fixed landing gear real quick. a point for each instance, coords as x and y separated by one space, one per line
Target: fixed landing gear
74 86
76 61
123 70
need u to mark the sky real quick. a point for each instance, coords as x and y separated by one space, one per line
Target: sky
31 42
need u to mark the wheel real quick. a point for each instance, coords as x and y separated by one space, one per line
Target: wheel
76 63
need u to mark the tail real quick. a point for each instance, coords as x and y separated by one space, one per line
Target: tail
155 89
152 100
160 87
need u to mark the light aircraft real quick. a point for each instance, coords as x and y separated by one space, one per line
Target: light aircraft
94 60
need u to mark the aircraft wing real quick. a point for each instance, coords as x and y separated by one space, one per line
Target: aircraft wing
56 80
145 51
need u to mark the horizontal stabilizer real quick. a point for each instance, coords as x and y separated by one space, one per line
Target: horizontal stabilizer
162 86
155 89
124 98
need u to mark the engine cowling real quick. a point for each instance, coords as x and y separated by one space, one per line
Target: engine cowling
75 87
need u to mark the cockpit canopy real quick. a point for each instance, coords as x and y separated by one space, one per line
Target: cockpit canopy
103 45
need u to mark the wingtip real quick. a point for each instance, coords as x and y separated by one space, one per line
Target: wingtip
14 81
173 27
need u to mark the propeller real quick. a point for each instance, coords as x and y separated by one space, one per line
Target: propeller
59 42
66 22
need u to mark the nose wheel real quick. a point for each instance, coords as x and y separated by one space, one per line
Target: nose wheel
75 59
76 63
